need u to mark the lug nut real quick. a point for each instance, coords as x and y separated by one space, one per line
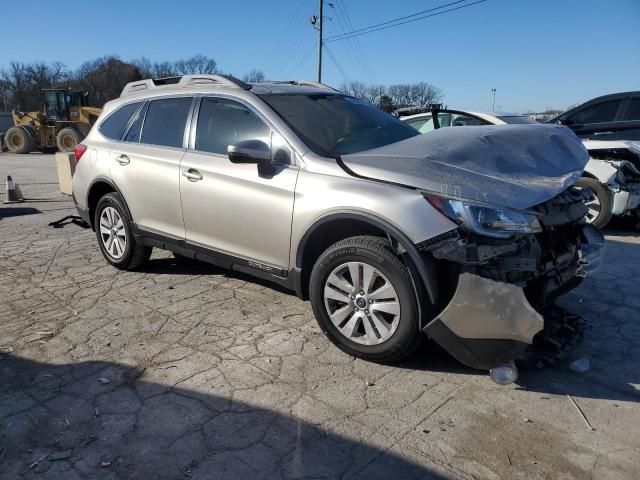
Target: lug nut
367 312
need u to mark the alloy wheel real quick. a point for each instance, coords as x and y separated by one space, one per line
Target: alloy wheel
362 303
594 209
112 232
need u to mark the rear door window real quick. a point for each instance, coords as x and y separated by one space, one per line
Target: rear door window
165 122
633 110
113 127
602 112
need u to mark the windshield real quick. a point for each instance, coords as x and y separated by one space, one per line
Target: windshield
333 125
516 119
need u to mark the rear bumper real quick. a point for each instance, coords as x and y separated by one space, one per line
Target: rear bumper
83 213
489 322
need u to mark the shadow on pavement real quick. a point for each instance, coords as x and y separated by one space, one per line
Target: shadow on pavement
17 211
103 420
187 266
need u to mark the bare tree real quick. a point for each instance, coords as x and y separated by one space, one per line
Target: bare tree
394 96
254 76
197 64
104 78
425 93
23 83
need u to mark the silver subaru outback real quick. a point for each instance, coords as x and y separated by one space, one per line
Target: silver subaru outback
463 234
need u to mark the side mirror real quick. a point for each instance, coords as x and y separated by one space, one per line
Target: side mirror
249 151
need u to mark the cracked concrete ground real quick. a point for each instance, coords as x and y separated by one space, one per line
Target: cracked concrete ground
181 370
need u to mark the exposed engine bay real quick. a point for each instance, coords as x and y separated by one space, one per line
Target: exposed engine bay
617 165
545 264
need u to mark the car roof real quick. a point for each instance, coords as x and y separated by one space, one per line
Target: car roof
610 96
471 112
217 83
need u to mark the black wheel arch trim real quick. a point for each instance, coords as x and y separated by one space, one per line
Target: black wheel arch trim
108 181
417 266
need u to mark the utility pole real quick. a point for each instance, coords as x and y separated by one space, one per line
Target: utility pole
493 104
320 22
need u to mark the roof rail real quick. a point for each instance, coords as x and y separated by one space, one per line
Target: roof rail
301 83
311 83
149 84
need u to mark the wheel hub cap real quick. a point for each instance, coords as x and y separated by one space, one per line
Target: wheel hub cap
112 232
362 303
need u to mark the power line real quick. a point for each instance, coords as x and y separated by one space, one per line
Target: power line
335 62
401 18
356 40
349 46
391 23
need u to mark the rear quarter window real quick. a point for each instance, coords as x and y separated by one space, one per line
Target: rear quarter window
114 125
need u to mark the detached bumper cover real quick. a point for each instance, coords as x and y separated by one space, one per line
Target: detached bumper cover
489 322
486 322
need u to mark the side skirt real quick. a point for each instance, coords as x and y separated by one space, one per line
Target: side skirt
278 275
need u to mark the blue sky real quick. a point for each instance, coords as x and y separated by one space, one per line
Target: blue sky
536 53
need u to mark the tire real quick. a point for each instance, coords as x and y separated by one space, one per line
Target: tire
67 139
124 253
354 334
599 213
18 140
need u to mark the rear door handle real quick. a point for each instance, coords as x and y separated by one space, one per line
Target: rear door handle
123 160
602 133
192 175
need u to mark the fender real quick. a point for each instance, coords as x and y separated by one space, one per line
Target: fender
108 181
424 271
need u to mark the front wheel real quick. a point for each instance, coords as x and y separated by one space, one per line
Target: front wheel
67 139
599 213
364 301
114 229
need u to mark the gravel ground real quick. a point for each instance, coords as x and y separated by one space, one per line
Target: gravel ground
181 370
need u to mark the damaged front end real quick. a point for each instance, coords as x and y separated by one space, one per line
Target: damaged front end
617 165
505 280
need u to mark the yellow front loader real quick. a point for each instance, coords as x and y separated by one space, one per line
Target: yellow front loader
64 122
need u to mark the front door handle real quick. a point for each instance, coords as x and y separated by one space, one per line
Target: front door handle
123 160
192 175
602 133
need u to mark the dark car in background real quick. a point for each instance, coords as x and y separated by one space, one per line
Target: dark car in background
610 117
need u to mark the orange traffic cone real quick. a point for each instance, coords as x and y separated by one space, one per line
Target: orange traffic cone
13 194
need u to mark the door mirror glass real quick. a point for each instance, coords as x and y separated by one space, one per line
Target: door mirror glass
249 151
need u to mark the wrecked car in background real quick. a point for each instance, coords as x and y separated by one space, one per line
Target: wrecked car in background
612 173
465 234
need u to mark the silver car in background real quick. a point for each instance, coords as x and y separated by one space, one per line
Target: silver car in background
464 234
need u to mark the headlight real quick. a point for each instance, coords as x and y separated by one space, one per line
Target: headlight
491 221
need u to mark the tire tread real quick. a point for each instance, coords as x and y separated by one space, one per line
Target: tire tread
382 247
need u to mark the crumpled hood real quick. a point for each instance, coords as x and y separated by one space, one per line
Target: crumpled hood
516 166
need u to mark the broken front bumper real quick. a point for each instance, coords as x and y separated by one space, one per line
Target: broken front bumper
489 322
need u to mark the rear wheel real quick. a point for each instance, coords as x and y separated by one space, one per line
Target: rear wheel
18 140
114 229
599 213
363 299
67 139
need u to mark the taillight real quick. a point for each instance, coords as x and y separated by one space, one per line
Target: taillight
79 151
